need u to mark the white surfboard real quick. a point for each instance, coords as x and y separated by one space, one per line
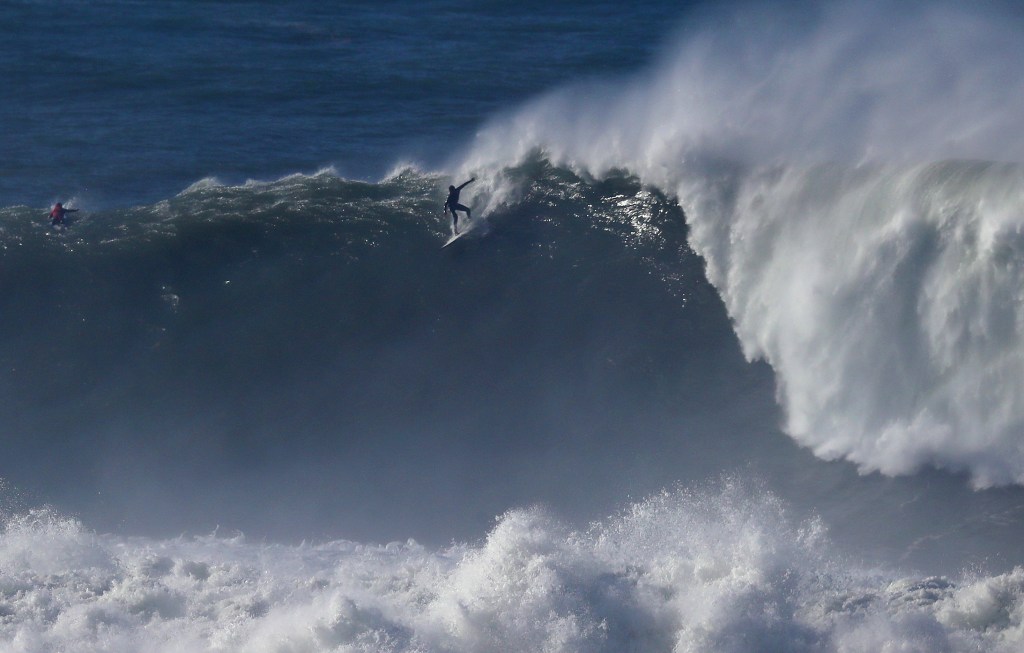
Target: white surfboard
454 238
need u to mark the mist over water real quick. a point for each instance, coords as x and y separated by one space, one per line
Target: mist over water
753 84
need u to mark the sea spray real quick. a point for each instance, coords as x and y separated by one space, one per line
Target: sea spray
849 194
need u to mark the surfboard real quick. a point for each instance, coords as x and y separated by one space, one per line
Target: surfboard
454 238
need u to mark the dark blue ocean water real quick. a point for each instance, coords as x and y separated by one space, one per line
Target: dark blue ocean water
121 102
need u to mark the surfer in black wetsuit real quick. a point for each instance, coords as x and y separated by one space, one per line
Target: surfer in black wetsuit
57 215
452 204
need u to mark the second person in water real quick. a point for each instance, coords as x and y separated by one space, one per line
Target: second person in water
57 215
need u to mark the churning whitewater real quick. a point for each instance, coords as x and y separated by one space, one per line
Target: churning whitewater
718 570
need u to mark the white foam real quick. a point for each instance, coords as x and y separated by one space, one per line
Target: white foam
721 570
206 183
884 289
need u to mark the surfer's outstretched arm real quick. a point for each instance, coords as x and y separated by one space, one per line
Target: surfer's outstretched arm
466 184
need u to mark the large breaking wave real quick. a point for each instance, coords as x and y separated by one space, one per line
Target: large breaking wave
285 350
166 294
851 176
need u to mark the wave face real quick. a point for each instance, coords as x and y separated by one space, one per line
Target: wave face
712 571
300 359
857 199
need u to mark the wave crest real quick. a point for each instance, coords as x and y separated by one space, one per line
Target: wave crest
825 170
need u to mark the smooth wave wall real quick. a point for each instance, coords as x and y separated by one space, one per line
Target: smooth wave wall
850 176
299 358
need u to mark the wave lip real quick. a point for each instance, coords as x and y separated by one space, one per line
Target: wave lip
887 300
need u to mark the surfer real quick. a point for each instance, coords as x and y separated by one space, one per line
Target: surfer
452 204
57 215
